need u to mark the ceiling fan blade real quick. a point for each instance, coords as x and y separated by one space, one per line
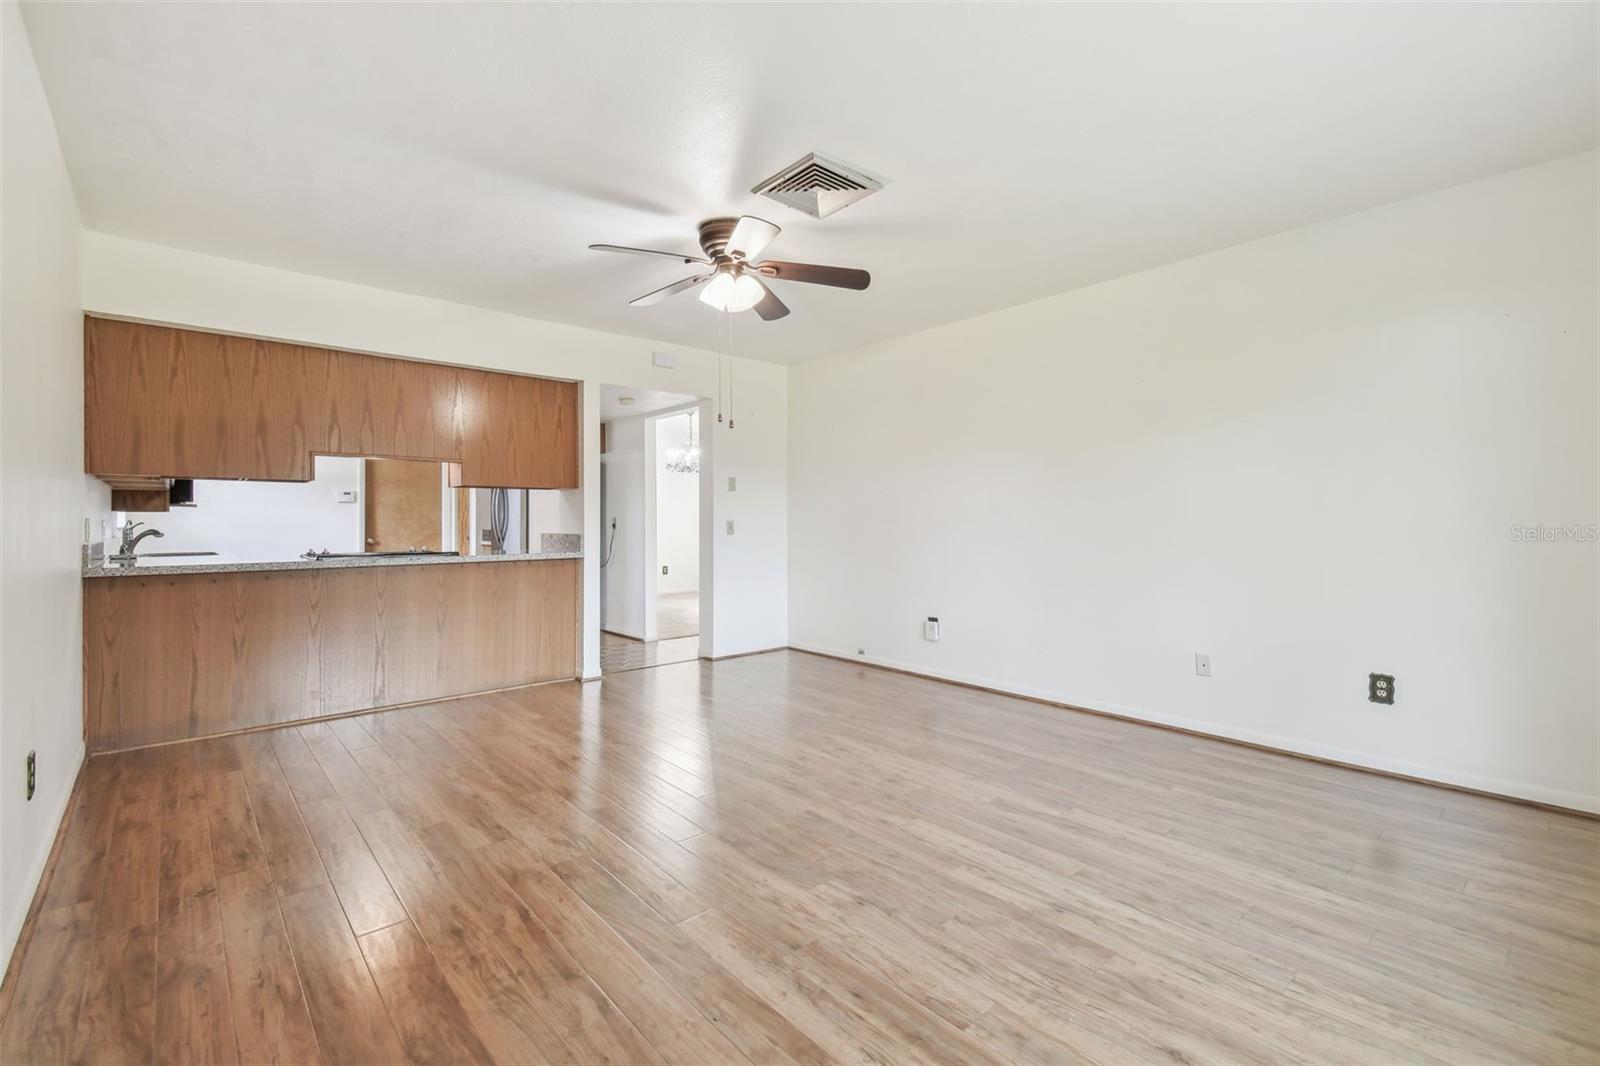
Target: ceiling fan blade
750 237
770 307
838 277
669 290
679 256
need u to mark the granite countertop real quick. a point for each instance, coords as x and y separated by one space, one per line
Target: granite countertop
161 569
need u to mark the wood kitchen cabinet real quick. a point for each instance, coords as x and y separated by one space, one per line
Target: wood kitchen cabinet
165 402
498 440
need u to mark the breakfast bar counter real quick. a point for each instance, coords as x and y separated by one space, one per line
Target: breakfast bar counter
173 652
332 563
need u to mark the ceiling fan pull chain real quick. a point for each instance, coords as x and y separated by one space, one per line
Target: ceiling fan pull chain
731 408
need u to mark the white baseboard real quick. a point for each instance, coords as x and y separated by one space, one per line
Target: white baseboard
30 886
1292 745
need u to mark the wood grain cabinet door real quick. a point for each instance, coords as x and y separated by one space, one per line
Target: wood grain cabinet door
404 505
518 432
167 402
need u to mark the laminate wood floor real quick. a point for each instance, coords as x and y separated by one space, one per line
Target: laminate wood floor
787 858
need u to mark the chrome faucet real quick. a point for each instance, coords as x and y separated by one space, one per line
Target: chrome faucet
124 555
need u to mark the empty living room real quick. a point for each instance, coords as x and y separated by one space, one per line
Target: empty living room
799 532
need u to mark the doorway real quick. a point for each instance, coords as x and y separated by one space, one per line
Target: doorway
651 529
677 522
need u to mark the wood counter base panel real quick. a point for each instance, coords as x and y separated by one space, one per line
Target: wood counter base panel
174 657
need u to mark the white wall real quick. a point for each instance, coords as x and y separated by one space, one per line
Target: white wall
677 511
554 511
266 520
624 504
1303 455
43 499
749 608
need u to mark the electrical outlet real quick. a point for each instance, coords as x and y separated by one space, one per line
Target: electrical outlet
33 768
664 360
930 628
663 568
861 651
1202 664
1380 688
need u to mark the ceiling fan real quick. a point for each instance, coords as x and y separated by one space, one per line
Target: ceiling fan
733 280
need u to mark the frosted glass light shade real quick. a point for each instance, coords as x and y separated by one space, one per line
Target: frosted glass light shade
728 292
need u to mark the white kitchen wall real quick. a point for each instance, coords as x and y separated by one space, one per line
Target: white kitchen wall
43 499
265 520
1309 456
554 511
749 602
677 511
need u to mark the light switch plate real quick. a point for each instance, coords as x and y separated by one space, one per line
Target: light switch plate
733 484
345 496
730 527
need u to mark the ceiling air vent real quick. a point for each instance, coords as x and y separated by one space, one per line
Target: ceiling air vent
818 186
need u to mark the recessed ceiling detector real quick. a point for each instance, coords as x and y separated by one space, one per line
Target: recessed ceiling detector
735 282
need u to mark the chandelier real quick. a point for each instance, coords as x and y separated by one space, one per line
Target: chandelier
685 460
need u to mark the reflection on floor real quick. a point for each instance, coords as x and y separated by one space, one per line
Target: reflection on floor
677 614
624 653
677 626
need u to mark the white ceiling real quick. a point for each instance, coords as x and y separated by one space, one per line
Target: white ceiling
471 151
645 401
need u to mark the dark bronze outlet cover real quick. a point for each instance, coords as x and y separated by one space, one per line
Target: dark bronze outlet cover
1380 688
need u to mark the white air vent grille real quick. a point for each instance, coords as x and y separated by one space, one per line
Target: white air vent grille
818 186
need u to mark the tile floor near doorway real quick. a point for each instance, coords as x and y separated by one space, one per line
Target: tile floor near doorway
624 653
785 858
677 629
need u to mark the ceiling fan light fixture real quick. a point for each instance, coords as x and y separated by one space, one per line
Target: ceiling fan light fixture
732 280
747 292
732 292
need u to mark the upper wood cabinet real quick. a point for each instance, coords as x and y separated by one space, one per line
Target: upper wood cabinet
165 402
